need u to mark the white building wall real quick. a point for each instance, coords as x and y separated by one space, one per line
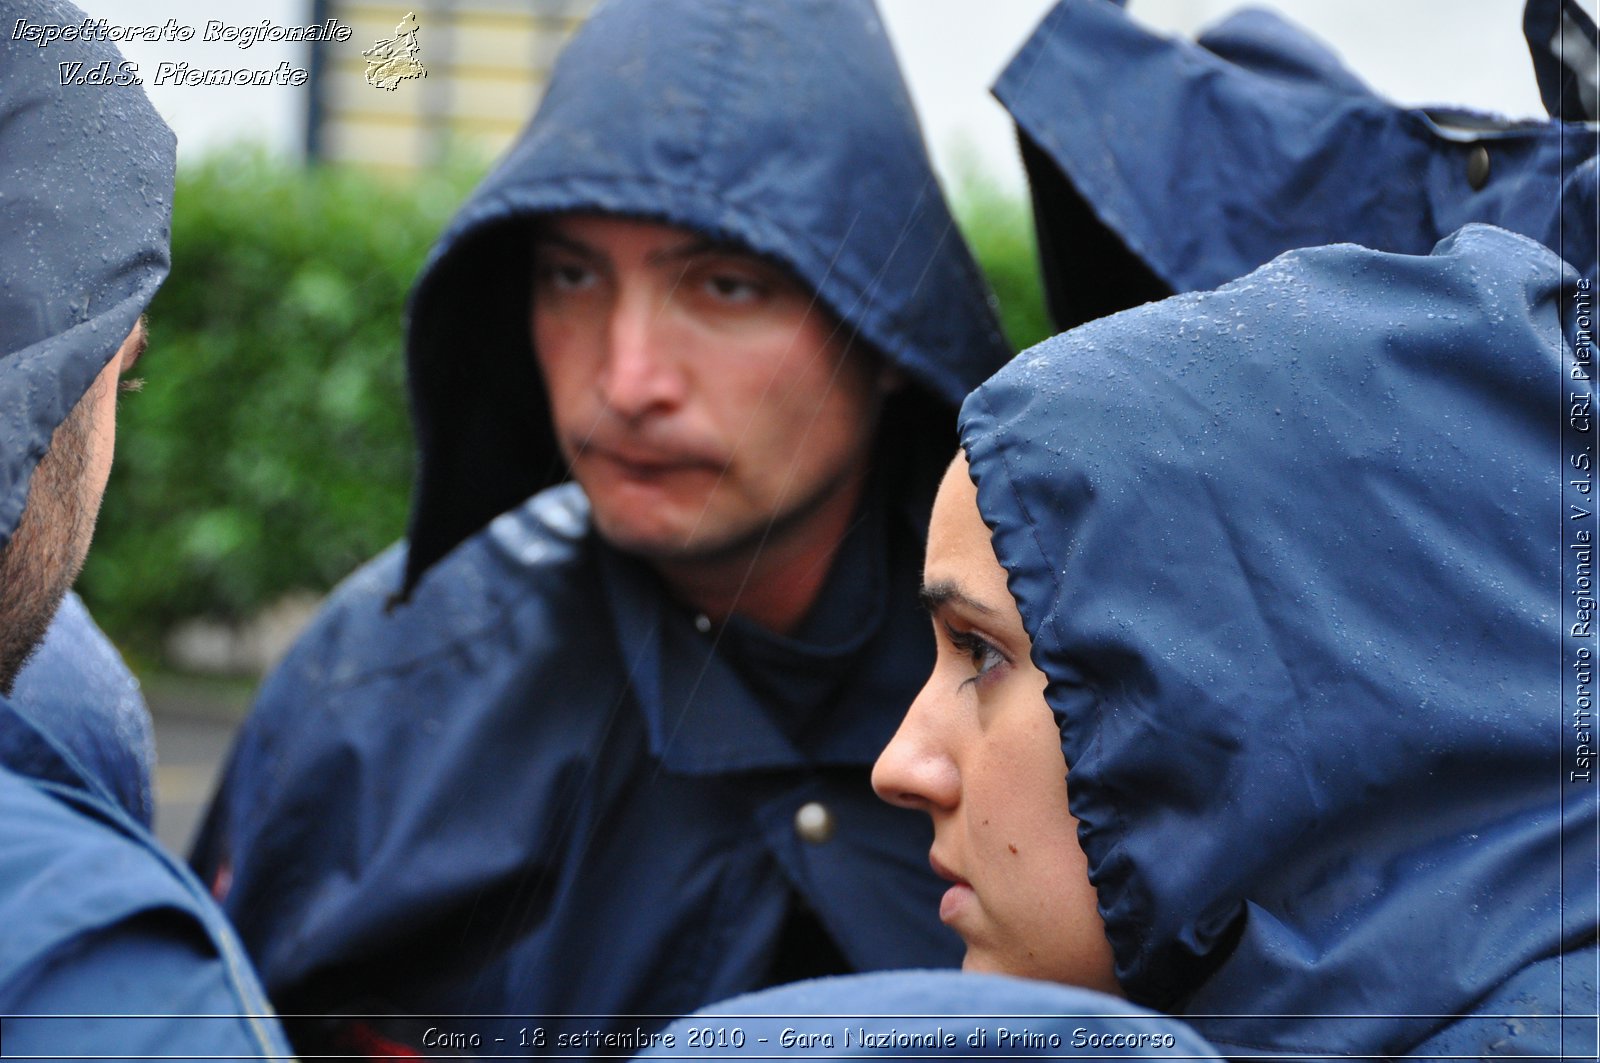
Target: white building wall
1466 52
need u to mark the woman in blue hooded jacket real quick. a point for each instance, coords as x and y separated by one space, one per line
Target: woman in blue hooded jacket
1286 590
1291 565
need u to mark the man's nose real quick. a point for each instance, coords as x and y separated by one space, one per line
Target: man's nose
643 370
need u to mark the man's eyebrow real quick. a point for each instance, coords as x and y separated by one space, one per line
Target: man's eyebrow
705 245
140 342
942 592
565 243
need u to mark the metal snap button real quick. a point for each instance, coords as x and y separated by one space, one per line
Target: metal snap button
814 822
1478 167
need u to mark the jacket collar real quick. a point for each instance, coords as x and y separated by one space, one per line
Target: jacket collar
741 698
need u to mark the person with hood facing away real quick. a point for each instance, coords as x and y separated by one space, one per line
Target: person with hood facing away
1264 689
111 949
607 753
1278 146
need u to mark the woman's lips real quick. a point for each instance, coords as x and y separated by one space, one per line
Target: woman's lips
957 897
942 871
954 902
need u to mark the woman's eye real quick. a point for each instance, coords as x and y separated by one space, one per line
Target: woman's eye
983 654
985 657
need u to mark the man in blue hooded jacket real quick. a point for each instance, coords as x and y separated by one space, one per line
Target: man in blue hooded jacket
111 949
608 754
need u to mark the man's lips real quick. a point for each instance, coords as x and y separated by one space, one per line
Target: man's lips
644 464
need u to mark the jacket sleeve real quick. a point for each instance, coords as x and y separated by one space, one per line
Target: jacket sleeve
288 715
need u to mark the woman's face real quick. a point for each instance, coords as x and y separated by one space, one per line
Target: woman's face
980 753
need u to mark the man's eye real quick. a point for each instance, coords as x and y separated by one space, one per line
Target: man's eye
564 277
730 288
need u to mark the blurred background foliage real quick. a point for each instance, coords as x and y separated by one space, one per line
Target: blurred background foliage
998 223
270 450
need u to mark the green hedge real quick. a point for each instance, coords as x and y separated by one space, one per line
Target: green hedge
998 224
270 448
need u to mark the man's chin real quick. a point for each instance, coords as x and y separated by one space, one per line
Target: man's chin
665 541
51 540
37 569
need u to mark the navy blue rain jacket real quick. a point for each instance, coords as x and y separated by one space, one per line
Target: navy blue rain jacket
1308 563
97 919
77 688
534 788
1160 165
112 949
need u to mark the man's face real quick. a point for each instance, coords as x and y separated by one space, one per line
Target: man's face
702 399
47 550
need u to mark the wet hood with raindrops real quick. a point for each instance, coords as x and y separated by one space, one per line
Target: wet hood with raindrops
1291 555
86 179
1162 165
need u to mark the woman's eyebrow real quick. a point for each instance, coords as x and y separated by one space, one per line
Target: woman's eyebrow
942 592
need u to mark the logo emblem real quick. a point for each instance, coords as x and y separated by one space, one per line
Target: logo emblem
394 60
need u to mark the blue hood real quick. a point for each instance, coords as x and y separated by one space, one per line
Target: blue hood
783 127
1160 165
1291 554
929 1015
86 176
